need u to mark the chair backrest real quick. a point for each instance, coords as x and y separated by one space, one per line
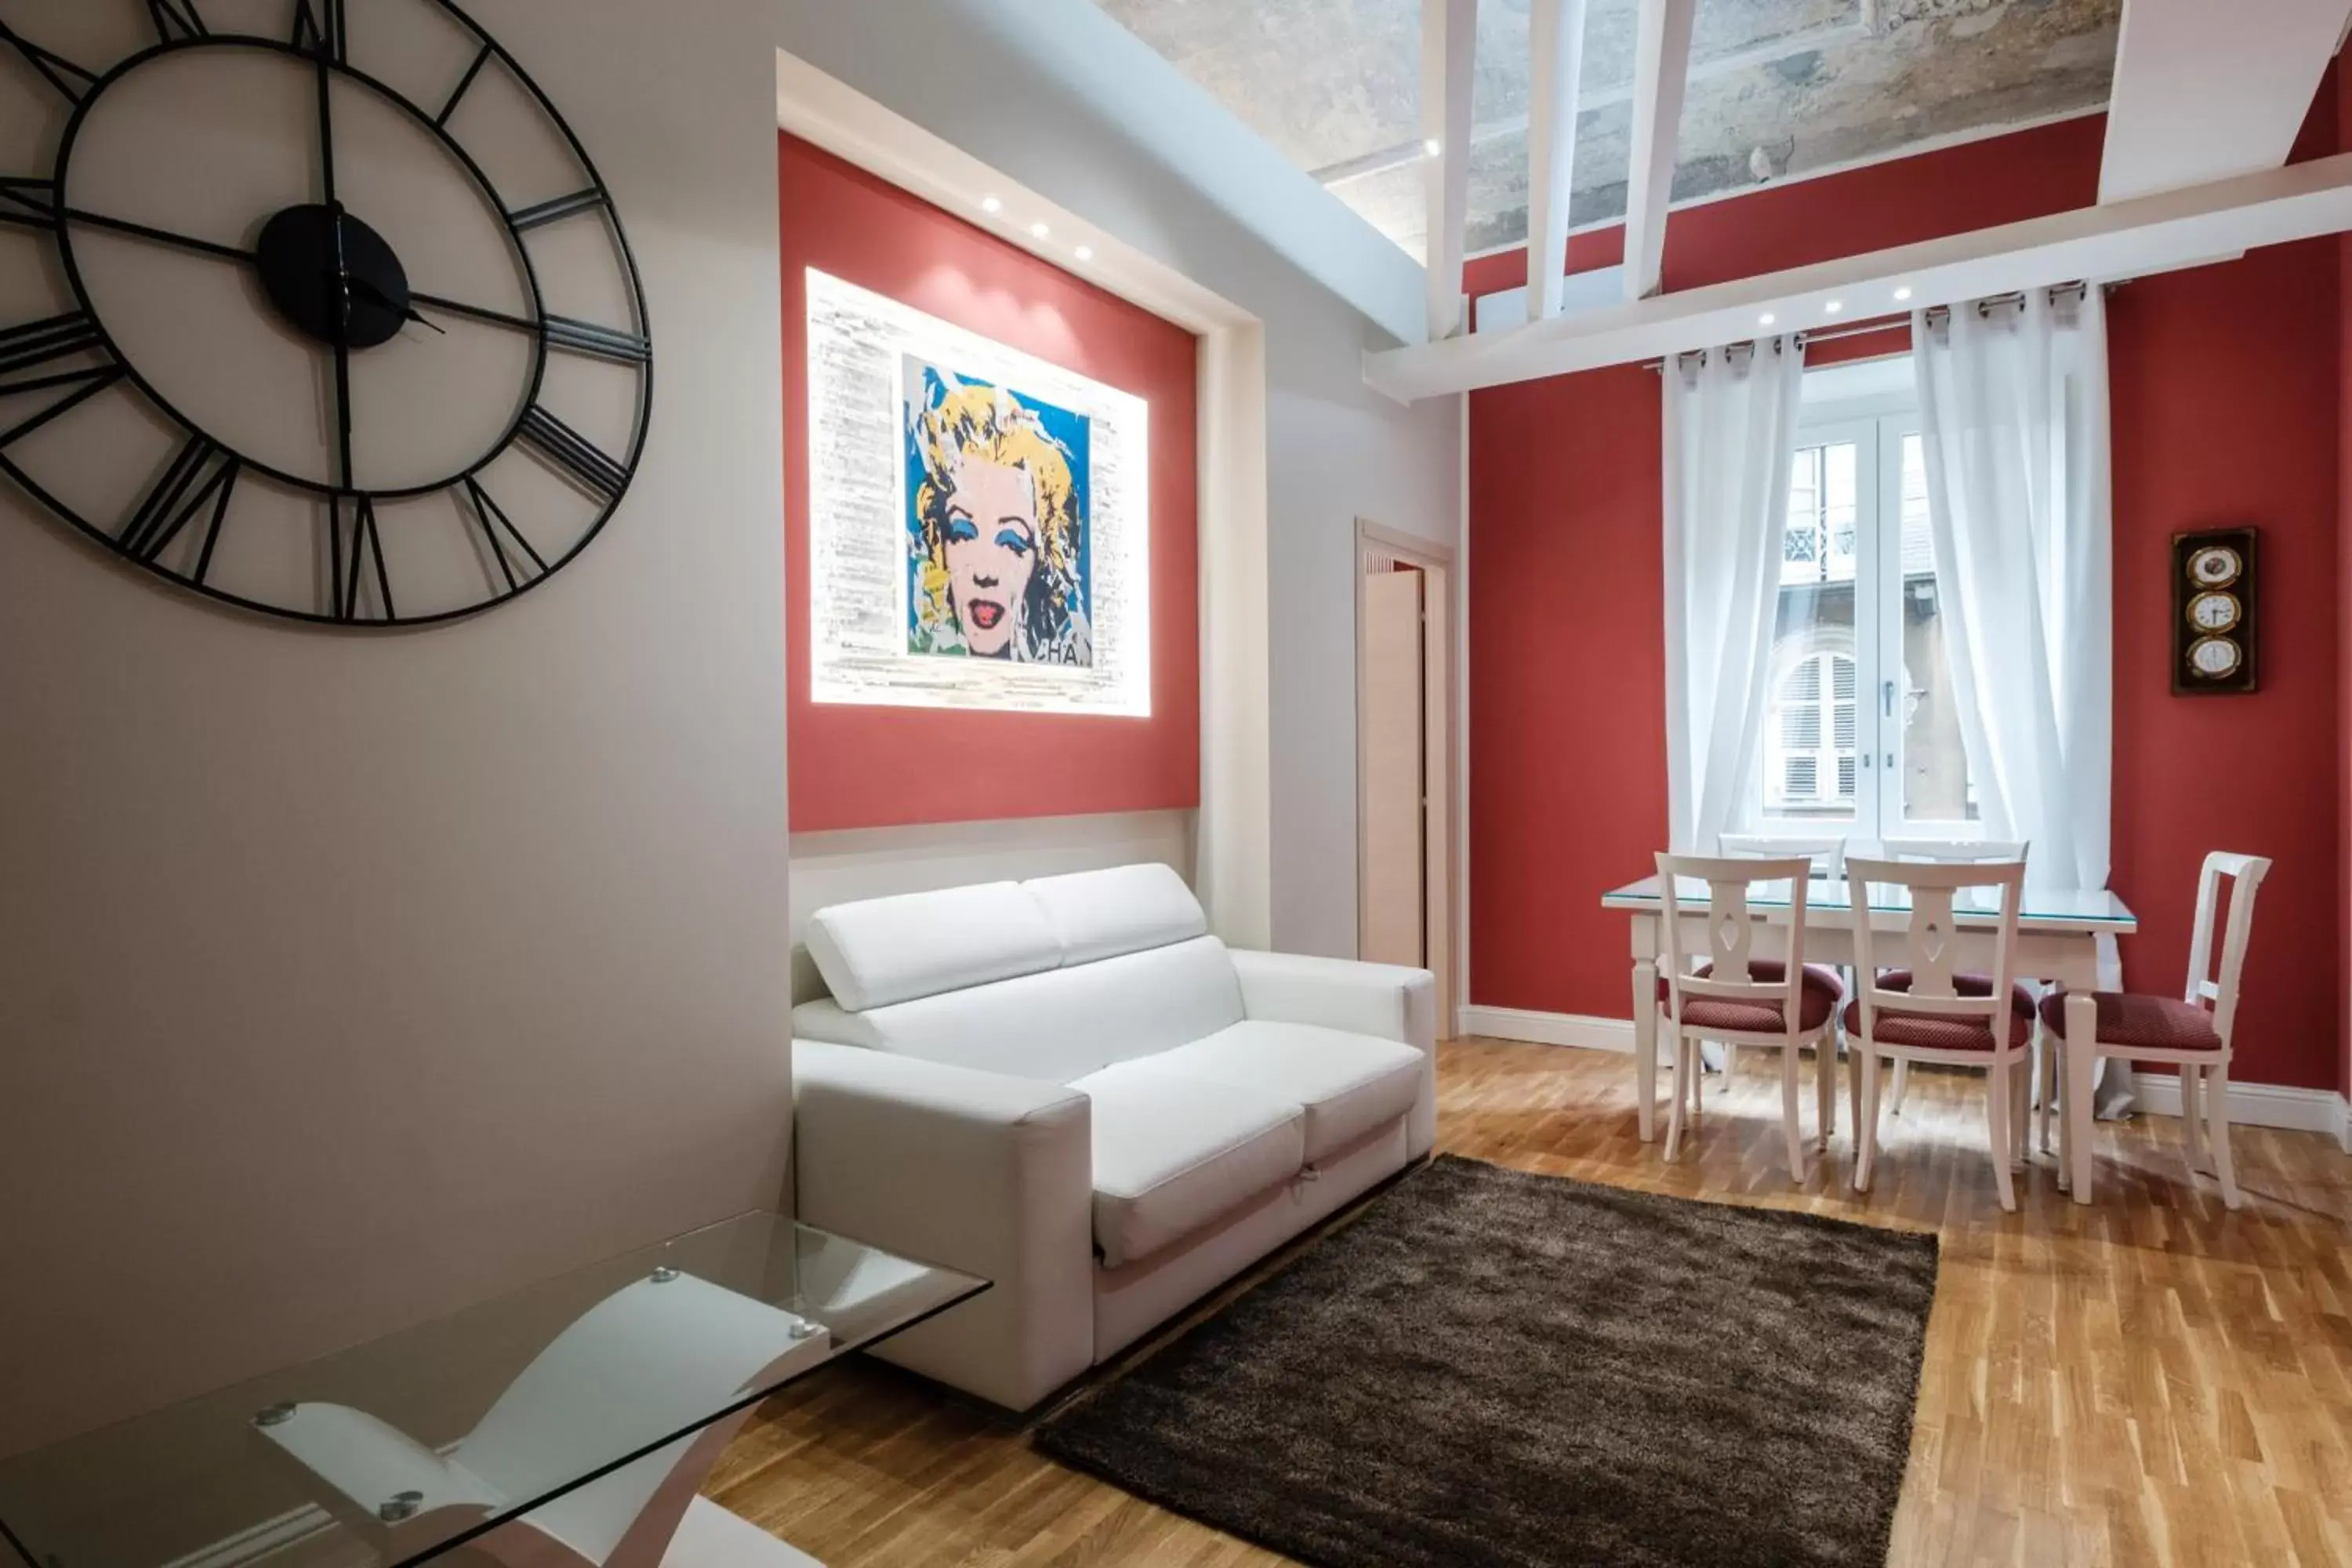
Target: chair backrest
1828 855
1929 933
2245 873
1732 932
1952 849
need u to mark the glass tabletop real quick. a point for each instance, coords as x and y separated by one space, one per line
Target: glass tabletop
396 1450
2042 908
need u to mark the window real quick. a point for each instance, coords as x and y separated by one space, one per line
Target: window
1861 730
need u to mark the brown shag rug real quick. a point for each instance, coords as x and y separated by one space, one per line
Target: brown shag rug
1491 1367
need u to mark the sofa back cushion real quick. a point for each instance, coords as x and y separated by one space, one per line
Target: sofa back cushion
1057 1025
1100 914
879 951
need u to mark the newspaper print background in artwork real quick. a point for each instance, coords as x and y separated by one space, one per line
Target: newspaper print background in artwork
859 345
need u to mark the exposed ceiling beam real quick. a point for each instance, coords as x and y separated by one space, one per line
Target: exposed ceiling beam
1449 37
2122 239
2203 91
1556 44
1660 68
1396 155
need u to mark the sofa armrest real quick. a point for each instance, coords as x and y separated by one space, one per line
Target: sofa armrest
1382 999
977 1171
1385 1000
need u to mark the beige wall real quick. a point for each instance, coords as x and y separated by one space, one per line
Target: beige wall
345 979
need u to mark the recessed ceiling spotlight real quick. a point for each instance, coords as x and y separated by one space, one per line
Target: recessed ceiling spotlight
1433 146
1903 292
1834 306
1765 320
1039 230
1086 253
991 205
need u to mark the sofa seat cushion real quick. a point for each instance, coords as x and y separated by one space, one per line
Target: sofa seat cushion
1348 1084
1171 1153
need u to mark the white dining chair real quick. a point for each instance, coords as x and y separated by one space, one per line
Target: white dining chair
1732 997
1828 857
2188 1033
1943 851
1934 1017
1827 854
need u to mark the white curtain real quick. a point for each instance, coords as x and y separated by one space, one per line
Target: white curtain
2013 414
1730 438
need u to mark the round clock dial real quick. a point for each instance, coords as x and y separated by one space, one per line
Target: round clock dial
2215 566
2215 658
2214 612
343 325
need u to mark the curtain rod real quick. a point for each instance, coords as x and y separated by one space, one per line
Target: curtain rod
1936 313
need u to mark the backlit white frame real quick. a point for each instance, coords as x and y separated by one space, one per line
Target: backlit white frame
855 604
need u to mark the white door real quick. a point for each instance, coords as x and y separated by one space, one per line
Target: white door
1392 712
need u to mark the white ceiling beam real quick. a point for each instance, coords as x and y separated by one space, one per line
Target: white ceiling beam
2125 240
1661 70
2203 90
1556 42
1449 39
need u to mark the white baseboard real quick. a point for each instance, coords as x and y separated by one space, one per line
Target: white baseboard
2256 1104
2250 1104
1547 1028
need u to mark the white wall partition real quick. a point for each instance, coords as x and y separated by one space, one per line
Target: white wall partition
345 979
1164 169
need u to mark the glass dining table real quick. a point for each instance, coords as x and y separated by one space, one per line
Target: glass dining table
567 1424
2059 934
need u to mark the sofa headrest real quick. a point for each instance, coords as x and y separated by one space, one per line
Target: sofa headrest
1100 914
876 951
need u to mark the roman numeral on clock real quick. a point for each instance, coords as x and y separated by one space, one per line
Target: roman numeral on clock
59 72
176 19
560 207
603 342
28 203
364 555
38 342
573 453
35 344
324 30
201 473
497 529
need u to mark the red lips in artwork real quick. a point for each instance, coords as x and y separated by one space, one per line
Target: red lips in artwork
984 614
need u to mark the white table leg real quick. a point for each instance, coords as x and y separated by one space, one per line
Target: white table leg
2082 1069
711 1537
1645 1044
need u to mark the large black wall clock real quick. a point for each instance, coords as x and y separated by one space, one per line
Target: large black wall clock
316 307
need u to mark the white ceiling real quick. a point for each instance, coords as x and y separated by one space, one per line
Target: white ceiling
1788 86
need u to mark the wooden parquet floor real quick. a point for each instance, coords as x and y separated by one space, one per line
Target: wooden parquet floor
2151 1380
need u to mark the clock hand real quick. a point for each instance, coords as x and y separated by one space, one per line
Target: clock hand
378 297
159 235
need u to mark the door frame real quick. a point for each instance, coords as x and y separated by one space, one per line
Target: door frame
1441 883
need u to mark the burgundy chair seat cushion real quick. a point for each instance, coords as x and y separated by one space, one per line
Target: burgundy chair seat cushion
1819 994
1966 985
1935 1032
2163 1022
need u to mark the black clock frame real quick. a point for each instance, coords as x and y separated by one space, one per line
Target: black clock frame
181 27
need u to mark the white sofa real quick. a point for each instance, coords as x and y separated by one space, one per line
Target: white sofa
1070 1087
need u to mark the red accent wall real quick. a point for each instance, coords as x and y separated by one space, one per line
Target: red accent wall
873 767
2226 391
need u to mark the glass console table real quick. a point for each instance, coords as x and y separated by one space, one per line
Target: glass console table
568 1424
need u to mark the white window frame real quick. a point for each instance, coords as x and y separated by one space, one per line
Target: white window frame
1876 426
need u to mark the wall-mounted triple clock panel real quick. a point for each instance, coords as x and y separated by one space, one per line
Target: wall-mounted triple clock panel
2214 612
316 307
